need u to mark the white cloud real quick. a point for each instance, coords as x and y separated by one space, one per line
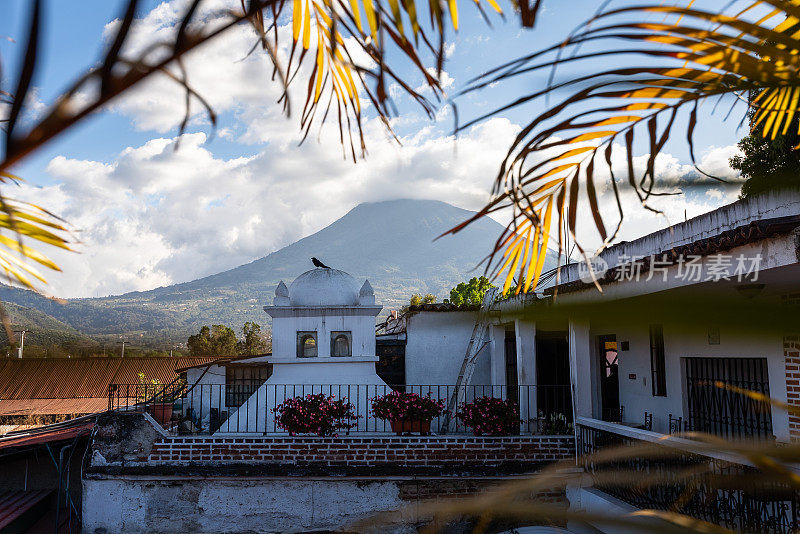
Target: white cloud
445 80
152 215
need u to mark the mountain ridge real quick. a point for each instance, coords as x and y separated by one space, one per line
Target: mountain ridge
391 243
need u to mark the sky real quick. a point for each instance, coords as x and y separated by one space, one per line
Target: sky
146 214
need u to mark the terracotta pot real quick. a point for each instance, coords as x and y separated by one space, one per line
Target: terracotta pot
161 412
401 427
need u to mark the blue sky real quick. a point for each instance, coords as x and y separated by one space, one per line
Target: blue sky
147 215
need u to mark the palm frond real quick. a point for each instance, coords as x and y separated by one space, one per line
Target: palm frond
325 34
551 172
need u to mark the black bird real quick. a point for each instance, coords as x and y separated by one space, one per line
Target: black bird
318 263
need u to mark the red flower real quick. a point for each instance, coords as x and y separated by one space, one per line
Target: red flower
315 414
491 416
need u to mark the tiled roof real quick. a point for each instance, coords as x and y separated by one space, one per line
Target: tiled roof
73 378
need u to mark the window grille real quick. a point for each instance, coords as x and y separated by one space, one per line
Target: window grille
715 409
242 381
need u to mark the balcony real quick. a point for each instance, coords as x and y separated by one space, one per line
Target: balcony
681 475
248 408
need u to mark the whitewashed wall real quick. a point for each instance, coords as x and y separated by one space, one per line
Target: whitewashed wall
436 346
288 321
682 340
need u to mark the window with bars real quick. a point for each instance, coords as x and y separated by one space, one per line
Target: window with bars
717 409
658 377
242 381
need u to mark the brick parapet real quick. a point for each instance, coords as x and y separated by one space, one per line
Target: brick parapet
418 451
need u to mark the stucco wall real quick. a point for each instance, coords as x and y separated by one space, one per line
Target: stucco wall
147 504
685 340
437 343
323 321
208 392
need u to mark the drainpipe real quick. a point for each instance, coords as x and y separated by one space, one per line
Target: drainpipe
58 491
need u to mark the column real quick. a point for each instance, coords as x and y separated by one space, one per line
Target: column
525 332
580 366
498 357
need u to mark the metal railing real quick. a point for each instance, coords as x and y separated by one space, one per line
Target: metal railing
248 407
717 488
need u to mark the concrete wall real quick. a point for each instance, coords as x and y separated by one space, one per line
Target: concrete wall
203 505
681 340
323 321
152 504
436 346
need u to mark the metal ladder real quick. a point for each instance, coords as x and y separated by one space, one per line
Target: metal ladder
477 342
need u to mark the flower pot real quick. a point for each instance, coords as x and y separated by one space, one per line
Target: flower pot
161 412
401 427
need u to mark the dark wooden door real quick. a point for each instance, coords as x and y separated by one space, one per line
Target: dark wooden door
609 378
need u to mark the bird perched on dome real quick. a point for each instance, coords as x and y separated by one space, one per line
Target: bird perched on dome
318 263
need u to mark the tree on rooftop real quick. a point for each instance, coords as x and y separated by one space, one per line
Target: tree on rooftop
470 293
417 299
768 163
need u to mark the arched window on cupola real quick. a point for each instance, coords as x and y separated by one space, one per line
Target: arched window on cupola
306 344
341 344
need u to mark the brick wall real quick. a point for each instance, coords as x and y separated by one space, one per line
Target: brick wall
791 353
421 451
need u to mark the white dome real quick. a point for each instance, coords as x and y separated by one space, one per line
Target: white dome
324 287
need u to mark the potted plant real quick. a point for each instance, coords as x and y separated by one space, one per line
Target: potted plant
490 416
408 412
146 393
316 413
556 424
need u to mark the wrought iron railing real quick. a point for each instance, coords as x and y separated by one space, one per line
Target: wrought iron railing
248 408
715 488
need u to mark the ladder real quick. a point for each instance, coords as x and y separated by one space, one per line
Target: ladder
477 342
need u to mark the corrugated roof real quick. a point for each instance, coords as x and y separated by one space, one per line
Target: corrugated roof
13 504
82 406
50 433
52 378
5 429
223 361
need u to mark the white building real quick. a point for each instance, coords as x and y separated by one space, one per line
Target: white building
323 340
